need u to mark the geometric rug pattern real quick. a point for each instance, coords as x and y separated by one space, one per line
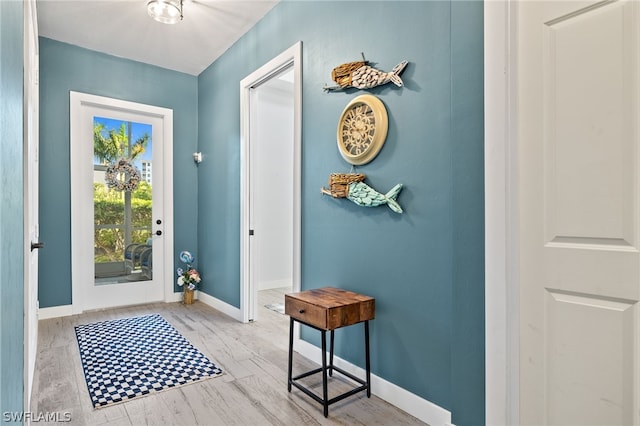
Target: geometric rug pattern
126 358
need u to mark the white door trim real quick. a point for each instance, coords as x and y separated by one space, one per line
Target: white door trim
31 191
501 214
77 102
291 56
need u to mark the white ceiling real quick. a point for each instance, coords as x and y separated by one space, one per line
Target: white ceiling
123 28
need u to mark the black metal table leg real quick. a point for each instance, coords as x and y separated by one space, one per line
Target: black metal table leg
290 353
367 357
325 398
331 355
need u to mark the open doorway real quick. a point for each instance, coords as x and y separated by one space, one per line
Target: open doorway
270 179
271 211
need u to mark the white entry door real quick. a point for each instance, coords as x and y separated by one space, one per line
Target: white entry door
578 131
121 223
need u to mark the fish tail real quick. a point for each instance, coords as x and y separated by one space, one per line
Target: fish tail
393 205
395 73
391 198
393 192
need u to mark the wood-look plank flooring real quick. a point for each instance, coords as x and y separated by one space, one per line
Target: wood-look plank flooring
252 391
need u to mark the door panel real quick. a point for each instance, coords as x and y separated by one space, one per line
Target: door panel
579 217
589 353
136 284
90 292
589 143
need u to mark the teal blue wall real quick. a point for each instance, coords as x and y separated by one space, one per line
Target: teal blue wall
11 208
65 68
426 267
467 186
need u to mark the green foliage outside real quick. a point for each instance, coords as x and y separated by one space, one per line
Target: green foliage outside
109 210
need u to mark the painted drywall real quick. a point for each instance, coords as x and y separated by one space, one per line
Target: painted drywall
272 209
11 209
467 130
425 267
65 68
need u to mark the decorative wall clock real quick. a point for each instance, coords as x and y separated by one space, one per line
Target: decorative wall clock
362 129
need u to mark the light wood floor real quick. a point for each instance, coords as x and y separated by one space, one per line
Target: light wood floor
253 390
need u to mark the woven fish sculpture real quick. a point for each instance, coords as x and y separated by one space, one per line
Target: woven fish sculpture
363 195
362 76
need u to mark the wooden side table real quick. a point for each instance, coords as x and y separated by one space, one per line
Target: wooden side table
326 309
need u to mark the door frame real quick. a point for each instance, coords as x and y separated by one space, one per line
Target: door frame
80 100
292 57
502 303
31 226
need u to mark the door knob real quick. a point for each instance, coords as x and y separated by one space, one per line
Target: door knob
158 232
36 245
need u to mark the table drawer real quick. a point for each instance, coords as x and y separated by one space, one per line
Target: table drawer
305 312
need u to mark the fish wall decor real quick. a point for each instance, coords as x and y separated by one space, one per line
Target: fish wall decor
352 187
360 75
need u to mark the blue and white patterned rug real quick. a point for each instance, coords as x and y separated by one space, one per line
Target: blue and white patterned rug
126 358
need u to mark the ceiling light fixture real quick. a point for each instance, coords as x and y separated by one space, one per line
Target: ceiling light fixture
165 11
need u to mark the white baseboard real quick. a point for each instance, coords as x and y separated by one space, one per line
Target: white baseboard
268 285
67 310
55 312
418 407
232 311
219 305
175 297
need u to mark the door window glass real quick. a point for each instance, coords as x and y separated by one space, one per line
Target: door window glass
122 200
